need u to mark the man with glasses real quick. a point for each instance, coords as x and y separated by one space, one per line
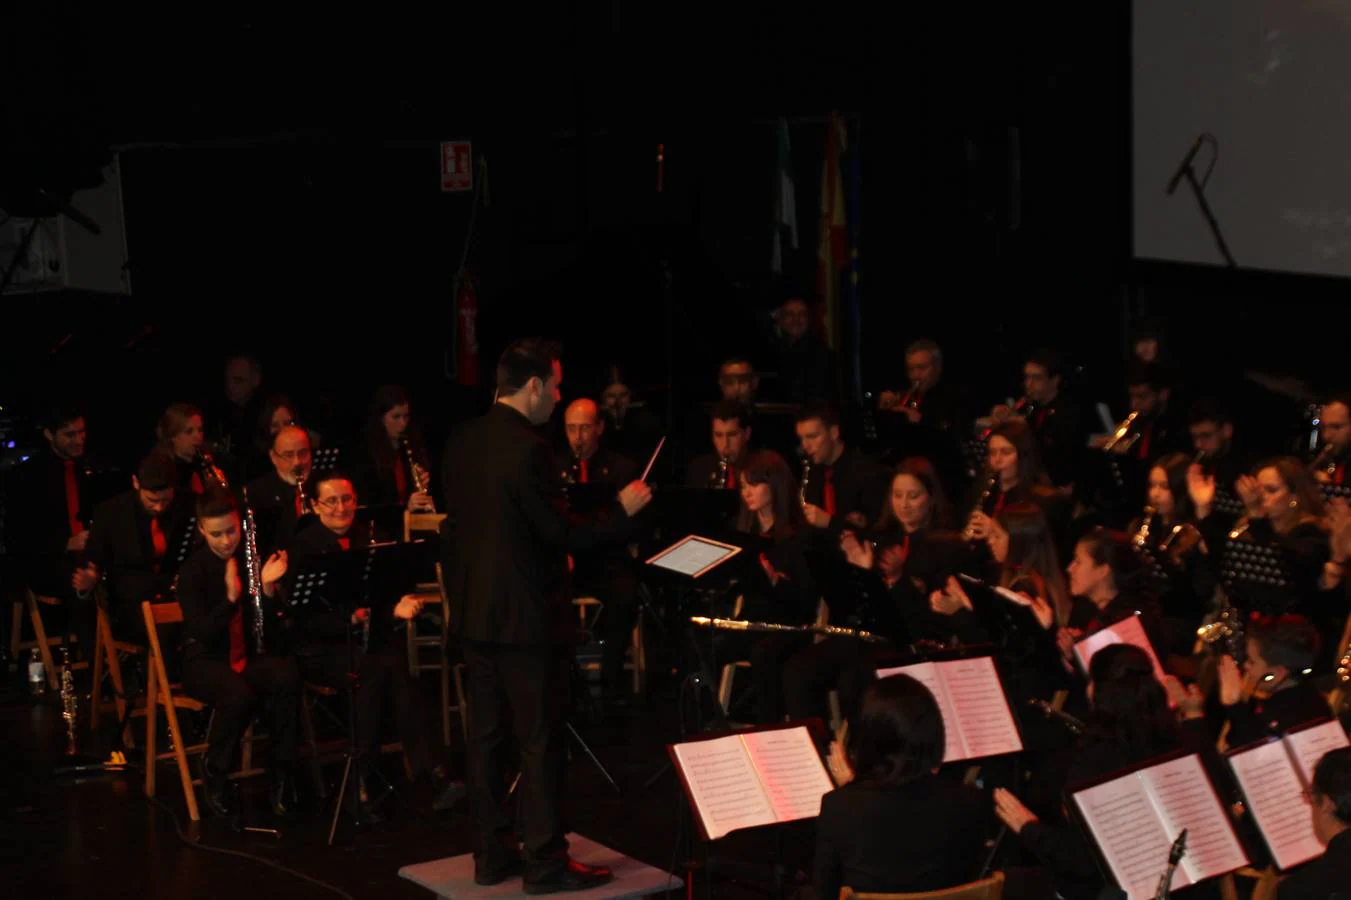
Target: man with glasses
276 497
319 642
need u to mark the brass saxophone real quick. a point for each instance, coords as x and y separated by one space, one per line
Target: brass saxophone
70 701
253 567
1225 633
420 476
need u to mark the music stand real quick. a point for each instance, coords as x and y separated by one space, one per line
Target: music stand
974 455
1335 491
1250 570
325 459
1227 503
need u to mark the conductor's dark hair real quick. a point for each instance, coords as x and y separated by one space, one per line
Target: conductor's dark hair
829 415
1332 779
157 471
898 734
526 359
1289 640
731 410
58 414
215 501
335 474
1048 359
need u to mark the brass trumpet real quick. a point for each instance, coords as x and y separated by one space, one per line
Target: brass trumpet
1123 438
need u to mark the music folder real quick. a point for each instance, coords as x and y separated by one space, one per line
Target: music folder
1134 818
1127 631
694 556
1273 775
750 778
977 720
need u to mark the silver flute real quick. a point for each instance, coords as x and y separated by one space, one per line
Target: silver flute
744 625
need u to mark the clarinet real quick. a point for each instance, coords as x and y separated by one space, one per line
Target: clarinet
419 474
254 568
718 477
1073 723
806 476
304 502
1175 854
990 481
70 701
209 470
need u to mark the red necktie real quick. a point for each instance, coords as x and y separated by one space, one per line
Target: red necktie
73 500
197 483
158 540
300 504
238 657
400 481
998 505
731 477
345 543
1339 473
1144 441
830 491
1041 417
581 475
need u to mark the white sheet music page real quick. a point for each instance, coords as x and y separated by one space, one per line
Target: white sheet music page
928 675
985 723
1184 798
1129 833
1308 745
727 792
1272 790
1127 631
790 770
693 555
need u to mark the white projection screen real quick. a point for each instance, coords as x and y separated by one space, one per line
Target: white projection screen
1271 80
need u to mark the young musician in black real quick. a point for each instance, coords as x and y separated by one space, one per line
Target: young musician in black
1285 510
505 544
806 366
1329 466
1013 475
632 429
277 498
731 436
1212 443
1154 431
893 825
1105 573
843 486
134 542
318 640
1329 799
929 416
1054 418
222 664
392 461
181 433
1272 693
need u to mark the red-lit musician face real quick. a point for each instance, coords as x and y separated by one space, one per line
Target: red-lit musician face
187 442
794 319
738 382
1336 425
818 441
584 426
155 503
336 504
1038 384
222 534
281 417
911 502
291 455
1002 457
922 369
730 439
68 440
1159 493
396 421
756 496
1275 495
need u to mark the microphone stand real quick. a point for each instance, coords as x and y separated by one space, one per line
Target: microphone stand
1188 173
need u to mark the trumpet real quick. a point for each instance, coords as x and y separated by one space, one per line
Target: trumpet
910 399
421 481
1225 632
1123 438
991 479
1142 536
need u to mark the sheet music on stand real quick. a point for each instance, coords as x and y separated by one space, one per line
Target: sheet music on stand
762 776
977 720
1133 819
694 556
325 459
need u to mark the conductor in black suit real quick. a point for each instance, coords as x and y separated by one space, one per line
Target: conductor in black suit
505 564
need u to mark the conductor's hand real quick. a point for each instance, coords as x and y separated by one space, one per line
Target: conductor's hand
409 606
635 496
233 589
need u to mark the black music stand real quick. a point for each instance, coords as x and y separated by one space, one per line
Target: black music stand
1252 572
974 455
1335 492
326 459
1227 503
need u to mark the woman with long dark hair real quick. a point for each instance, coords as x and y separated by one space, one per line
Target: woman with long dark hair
393 458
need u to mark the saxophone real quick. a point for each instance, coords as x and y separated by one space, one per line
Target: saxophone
254 568
1225 634
1124 437
70 701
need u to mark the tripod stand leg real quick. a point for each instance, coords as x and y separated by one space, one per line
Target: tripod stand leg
578 738
341 798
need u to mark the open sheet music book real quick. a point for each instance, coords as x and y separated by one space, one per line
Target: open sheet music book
1273 776
1135 818
976 717
752 778
1127 631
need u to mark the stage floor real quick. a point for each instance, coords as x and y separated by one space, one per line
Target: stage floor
103 838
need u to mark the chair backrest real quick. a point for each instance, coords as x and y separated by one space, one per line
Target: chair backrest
421 522
157 614
991 888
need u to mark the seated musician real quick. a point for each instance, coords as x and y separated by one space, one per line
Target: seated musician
893 824
739 382
1105 574
632 429
1272 693
276 413
608 572
317 638
1154 431
893 569
277 498
1329 800
1013 475
731 435
181 433
1285 509
233 418
1130 723
392 467
222 664
806 366
1055 419
1329 466
1212 440
929 417
50 499
129 545
1168 532
842 486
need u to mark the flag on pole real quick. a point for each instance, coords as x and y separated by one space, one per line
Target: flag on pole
832 248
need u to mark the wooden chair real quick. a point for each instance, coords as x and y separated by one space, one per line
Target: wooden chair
589 610
449 671
32 604
991 888
106 650
160 692
729 669
419 523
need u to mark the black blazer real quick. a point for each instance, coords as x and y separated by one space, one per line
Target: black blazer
1326 878
274 511
121 546
860 486
36 523
508 531
924 835
207 610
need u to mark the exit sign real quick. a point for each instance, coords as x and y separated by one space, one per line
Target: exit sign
457 166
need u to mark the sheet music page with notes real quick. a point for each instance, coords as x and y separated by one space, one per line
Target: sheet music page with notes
1308 745
1127 631
928 675
790 770
1130 834
1272 789
1184 798
722 781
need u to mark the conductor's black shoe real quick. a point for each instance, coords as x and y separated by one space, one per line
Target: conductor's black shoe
216 791
572 876
489 872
